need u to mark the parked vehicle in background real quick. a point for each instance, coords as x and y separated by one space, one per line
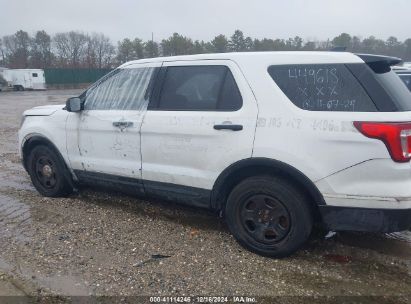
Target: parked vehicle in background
399 68
24 79
274 141
405 75
3 83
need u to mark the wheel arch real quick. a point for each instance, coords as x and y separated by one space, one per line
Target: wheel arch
240 170
33 140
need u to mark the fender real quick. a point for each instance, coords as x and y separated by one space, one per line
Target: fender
252 166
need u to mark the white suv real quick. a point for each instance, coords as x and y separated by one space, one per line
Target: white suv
275 141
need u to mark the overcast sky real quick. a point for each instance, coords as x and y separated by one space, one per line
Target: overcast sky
204 19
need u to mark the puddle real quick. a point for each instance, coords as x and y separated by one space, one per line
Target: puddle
396 244
17 182
53 99
4 265
9 290
15 219
65 285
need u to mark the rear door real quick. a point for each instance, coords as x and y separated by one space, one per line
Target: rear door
201 119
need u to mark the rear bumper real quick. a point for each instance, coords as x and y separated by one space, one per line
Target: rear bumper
337 218
377 178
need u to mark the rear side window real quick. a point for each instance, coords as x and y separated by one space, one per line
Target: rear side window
123 89
322 87
34 74
199 88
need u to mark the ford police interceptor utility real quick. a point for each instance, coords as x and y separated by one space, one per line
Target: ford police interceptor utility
274 141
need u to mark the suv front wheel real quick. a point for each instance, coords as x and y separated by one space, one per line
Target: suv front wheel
269 216
47 172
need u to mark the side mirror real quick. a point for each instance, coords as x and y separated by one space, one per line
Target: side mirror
73 104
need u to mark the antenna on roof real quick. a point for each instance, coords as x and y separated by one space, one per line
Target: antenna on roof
339 49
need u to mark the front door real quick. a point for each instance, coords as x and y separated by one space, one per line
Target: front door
104 139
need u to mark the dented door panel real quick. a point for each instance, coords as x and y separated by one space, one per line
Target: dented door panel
103 147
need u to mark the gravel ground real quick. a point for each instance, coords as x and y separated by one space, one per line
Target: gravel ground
108 244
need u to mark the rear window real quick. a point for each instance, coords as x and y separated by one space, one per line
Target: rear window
386 89
322 87
396 89
407 80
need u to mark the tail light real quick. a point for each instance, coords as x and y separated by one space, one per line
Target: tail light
395 135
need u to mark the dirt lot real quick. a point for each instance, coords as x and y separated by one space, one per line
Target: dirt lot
97 243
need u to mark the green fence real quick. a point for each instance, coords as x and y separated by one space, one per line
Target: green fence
73 76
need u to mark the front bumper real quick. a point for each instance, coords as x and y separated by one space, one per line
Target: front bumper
337 218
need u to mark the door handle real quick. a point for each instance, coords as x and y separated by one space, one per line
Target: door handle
228 127
123 124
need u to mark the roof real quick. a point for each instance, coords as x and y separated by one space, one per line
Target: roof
38 70
290 57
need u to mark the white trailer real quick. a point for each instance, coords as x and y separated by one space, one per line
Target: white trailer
24 79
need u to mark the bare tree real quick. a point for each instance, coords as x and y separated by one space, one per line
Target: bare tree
41 55
70 48
100 51
61 46
17 49
91 52
2 53
105 51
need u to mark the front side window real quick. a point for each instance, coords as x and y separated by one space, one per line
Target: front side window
322 87
34 74
199 88
124 89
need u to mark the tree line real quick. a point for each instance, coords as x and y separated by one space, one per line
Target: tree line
77 49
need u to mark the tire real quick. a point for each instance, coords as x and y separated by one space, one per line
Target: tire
48 173
269 216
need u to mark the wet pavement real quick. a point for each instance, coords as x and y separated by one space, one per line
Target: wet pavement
101 243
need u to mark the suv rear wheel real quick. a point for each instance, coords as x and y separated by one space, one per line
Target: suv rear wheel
269 216
47 172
